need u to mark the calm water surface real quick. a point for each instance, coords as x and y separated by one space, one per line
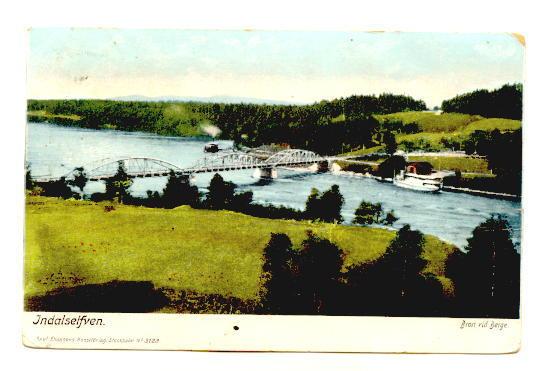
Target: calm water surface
55 150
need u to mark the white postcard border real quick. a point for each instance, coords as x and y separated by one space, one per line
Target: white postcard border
61 330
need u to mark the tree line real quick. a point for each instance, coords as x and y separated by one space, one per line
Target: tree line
309 279
503 152
504 102
325 127
323 206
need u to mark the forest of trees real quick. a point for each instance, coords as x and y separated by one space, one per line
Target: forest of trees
309 279
505 102
326 127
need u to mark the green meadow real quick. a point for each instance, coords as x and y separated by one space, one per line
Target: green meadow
450 126
435 128
42 115
492 124
431 122
70 242
464 164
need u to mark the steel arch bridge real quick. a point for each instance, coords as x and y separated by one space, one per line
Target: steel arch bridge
234 160
135 167
227 161
143 167
293 157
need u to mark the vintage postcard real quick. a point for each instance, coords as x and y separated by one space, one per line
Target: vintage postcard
273 191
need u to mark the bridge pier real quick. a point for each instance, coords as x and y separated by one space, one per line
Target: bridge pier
265 173
323 166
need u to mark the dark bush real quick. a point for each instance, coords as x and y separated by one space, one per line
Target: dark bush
326 206
117 186
317 283
487 276
57 188
178 191
391 166
278 275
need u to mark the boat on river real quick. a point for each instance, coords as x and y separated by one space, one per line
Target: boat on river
420 176
211 148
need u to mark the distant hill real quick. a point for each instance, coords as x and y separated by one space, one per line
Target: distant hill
212 99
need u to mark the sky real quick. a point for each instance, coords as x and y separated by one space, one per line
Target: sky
299 67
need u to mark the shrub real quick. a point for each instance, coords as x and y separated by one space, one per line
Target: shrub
487 275
29 183
178 191
278 275
318 264
117 186
390 218
325 207
80 178
368 213
220 193
391 166
57 188
394 284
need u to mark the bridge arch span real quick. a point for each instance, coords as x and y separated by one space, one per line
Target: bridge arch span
231 160
137 167
294 157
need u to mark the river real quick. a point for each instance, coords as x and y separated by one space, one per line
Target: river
54 150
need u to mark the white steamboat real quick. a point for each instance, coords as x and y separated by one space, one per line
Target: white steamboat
420 176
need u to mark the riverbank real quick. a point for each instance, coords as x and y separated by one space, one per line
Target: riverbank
474 183
55 150
71 243
447 188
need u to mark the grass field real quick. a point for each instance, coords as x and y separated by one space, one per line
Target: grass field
492 124
431 122
46 115
365 151
77 242
433 139
464 164
451 126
